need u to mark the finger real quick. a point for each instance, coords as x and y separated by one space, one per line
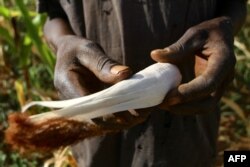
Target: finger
191 42
132 120
219 68
175 53
172 54
206 105
195 89
104 68
122 120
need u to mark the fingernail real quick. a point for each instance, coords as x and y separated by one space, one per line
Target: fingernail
118 69
157 52
166 49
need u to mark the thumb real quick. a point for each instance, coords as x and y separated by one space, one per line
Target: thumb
109 71
171 54
92 57
191 42
113 72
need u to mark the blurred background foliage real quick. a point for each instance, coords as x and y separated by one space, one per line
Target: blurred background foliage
26 72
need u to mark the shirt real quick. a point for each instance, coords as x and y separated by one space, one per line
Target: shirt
128 30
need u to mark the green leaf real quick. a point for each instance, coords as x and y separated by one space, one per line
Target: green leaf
5 12
45 53
27 40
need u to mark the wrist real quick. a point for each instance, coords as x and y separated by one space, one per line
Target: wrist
61 41
55 29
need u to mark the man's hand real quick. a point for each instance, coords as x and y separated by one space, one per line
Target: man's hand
83 68
205 57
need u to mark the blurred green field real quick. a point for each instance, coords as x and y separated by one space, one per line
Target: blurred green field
26 72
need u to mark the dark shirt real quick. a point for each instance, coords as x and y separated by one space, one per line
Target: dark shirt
128 30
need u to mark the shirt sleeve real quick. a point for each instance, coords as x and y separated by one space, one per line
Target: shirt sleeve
53 8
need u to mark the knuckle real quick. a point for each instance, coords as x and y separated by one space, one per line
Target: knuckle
198 33
192 30
194 39
101 62
209 84
87 47
179 46
104 62
92 46
60 79
65 52
57 83
87 44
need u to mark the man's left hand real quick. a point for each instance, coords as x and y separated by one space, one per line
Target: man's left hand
205 57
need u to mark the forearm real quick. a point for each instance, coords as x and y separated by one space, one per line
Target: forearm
54 29
235 10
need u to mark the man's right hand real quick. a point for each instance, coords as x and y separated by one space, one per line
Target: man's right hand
82 67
